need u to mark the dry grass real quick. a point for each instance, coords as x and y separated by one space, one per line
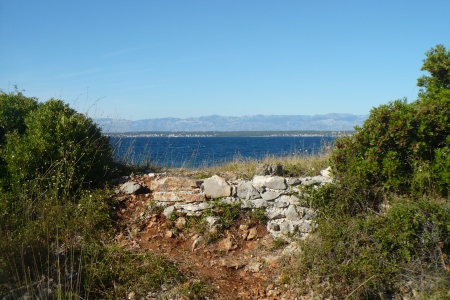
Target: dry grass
293 165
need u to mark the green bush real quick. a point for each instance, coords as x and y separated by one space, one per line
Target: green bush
60 147
376 254
383 229
398 147
14 107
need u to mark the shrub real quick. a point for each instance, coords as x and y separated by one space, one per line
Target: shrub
14 107
376 254
398 146
60 147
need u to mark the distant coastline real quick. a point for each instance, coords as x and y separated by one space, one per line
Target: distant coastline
300 133
294 124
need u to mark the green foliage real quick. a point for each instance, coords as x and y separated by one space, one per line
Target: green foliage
14 107
370 255
398 145
52 223
383 227
111 272
60 147
437 64
380 151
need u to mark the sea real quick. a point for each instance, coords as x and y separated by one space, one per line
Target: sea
205 151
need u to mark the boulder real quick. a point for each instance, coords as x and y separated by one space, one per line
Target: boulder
270 195
172 184
269 182
130 187
257 203
216 187
247 191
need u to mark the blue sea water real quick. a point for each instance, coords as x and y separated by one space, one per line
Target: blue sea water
193 152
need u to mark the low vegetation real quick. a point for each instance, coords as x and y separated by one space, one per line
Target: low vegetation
383 228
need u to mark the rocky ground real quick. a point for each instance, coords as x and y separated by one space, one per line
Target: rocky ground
245 262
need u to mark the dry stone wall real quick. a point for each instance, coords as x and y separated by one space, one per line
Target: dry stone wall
281 198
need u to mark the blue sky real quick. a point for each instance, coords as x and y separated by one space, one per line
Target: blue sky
155 59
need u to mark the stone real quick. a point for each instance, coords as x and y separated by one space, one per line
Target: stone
197 243
254 267
270 195
231 263
274 213
287 227
274 227
247 191
172 184
309 214
315 180
180 223
180 196
226 244
306 226
291 181
281 204
326 172
252 234
130 187
258 203
169 234
269 182
212 221
229 200
293 200
248 203
293 214
216 187
169 210
185 208
269 169
243 227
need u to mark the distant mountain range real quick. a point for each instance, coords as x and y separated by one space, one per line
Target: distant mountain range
328 122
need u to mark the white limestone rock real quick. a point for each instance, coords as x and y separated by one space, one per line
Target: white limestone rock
269 182
130 187
216 187
293 214
270 195
247 191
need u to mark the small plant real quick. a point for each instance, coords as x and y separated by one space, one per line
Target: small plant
279 243
196 290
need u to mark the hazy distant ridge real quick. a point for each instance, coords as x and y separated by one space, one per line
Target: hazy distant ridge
333 122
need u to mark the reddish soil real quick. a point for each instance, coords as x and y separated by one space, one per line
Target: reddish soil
237 266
